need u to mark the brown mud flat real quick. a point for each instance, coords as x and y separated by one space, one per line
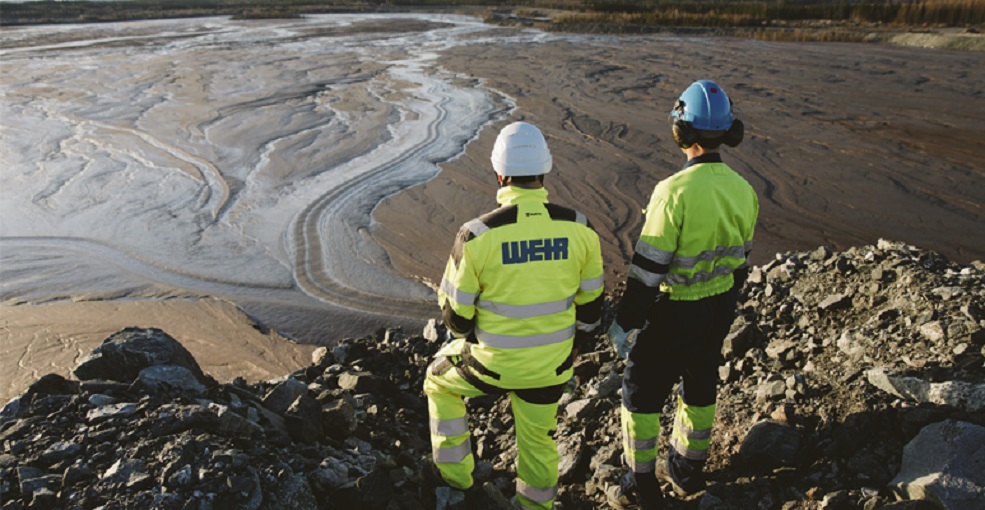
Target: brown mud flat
52 338
845 143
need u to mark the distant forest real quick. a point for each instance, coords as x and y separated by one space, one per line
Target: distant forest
669 13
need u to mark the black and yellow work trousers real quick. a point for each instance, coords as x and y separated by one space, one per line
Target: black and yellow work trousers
448 381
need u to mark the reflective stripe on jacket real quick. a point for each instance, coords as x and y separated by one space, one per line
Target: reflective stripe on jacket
523 276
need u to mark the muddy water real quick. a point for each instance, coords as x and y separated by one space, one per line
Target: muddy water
314 171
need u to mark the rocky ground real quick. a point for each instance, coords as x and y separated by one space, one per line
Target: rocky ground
853 380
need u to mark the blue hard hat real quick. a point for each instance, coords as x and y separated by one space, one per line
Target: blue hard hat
705 106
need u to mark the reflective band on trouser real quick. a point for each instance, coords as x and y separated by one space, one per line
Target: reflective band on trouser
451 443
452 454
452 427
517 342
527 311
692 430
540 497
639 433
537 456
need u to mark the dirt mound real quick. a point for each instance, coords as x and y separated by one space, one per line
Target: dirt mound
852 379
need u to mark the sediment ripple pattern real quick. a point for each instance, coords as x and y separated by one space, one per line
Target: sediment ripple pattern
224 158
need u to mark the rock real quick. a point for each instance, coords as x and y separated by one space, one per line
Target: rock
130 473
171 419
292 492
375 490
962 395
449 499
160 377
108 412
359 382
580 409
303 420
849 344
53 384
76 474
338 419
945 464
50 384
322 357
232 424
607 387
835 302
12 409
769 446
281 396
933 331
60 451
572 453
123 355
742 337
331 474
431 332
770 390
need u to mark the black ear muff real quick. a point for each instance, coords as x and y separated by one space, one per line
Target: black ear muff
684 134
735 133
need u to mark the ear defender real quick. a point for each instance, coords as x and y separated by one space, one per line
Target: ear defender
684 135
735 133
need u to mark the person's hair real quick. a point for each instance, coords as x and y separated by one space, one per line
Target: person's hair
524 179
710 140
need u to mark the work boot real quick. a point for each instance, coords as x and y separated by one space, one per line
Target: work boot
433 485
622 496
496 498
632 492
431 476
686 477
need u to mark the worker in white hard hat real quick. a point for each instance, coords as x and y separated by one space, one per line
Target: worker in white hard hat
522 287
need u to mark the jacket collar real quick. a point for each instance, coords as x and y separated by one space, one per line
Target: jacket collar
711 157
511 195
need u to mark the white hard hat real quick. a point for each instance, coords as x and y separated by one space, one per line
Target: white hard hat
521 150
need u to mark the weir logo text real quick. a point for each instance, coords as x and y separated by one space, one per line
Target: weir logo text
518 252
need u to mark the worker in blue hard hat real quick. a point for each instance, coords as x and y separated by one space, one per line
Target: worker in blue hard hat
690 262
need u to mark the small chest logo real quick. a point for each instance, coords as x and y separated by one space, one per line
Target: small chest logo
518 252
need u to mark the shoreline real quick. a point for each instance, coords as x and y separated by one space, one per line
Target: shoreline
936 36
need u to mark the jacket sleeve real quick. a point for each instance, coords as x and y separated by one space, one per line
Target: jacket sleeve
651 261
459 289
589 298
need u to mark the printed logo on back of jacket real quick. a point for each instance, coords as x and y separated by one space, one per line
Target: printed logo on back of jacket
518 252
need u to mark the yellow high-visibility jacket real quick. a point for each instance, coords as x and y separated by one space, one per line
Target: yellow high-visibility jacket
698 233
519 282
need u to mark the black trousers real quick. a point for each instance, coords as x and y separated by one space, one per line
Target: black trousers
683 340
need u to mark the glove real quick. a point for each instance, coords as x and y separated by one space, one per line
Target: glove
571 386
622 341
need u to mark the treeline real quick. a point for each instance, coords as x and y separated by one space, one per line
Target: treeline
741 13
678 13
51 11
